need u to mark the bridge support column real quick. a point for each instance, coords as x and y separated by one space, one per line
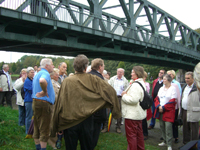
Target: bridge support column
180 76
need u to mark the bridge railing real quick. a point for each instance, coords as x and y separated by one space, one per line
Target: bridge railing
83 17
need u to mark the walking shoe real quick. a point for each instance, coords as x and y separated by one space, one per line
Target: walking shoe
119 130
145 137
104 130
162 144
150 127
58 144
169 148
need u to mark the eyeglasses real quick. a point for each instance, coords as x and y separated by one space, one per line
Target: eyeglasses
161 72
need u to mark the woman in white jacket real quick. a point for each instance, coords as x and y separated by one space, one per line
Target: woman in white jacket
19 83
132 111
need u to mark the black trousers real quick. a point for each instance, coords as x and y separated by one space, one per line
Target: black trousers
82 132
144 127
96 132
175 127
7 95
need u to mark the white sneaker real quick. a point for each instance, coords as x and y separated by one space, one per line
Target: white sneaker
169 148
162 144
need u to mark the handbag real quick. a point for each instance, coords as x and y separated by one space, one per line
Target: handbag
178 122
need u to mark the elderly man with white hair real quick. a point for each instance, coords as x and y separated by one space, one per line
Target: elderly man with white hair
43 99
6 86
119 83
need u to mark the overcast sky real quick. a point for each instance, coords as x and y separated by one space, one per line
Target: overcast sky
187 12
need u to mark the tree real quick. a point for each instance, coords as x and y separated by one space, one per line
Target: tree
14 67
121 65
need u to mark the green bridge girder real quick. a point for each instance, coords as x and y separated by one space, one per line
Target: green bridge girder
69 28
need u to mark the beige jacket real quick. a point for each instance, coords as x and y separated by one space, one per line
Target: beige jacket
131 108
112 81
193 105
18 86
4 82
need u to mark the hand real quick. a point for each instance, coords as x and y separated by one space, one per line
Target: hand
23 78
160 109
42 94
124 92
60 133
1 89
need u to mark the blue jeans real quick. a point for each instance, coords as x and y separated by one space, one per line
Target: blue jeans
22 114
153 120
29 114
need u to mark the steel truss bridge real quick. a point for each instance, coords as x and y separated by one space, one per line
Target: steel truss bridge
130 30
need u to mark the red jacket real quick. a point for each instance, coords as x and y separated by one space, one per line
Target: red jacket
168 110
149 112
154 84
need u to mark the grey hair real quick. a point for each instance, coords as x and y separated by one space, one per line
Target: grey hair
104 72
5 65
121 68
169 78
45 61
60 64
189 73
29 69
197 74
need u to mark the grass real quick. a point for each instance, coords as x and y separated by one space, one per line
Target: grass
14 75
12 136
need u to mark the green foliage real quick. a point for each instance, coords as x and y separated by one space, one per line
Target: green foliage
121 65
110 65
1 65
14 67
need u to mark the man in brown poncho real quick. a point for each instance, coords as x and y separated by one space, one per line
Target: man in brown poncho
79 97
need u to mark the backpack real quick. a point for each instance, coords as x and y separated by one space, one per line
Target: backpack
147 100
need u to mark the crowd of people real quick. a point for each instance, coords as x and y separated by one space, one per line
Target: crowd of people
77 106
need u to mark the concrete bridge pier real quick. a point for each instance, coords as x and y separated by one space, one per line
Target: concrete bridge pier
180 76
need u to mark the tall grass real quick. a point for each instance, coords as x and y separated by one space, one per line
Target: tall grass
12 136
